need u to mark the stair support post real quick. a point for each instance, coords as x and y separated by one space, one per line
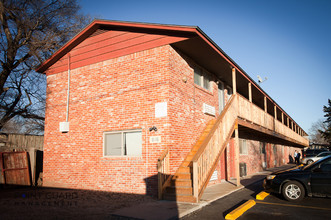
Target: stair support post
236 141
195 181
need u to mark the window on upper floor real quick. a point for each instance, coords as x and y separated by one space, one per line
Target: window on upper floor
201 78
122 143
262 148
275 149
243 147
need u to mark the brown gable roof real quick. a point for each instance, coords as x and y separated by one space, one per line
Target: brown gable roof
191 40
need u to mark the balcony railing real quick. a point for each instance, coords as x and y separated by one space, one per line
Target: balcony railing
251 112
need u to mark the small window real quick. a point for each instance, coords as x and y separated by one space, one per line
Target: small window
262 148
123 143
206 82
243 146
197 76
201 78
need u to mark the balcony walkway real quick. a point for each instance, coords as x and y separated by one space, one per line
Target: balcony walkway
257 124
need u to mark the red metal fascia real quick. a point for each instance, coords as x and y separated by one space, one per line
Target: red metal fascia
147 26
95 25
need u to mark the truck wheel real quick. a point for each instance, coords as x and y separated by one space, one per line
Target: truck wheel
293 191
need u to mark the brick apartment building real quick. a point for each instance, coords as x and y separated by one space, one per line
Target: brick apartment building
130 104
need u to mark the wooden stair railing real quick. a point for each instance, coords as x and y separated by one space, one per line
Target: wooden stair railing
163 172
193 174
205 160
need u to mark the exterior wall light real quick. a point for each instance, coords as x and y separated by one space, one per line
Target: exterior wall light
153 129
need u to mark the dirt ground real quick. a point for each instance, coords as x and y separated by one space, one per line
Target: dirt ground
48 203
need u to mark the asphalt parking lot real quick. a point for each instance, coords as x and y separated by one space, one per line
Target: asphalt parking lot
272 207
275 207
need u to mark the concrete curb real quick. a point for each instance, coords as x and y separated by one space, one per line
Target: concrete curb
262 195
203 204
240 210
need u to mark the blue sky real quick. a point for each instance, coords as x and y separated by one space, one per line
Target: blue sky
287 41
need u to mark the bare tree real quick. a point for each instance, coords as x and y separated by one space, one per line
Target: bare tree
314 132
30 31
326 133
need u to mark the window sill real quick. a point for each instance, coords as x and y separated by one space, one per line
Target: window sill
203 89
121 157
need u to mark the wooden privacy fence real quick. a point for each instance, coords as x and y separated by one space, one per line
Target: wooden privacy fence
20 142
15 168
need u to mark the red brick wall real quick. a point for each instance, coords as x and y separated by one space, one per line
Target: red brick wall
120 94
117 94
185 106
254 160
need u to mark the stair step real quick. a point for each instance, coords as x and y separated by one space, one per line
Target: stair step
181 182
182 176
179 190
184 169
179 198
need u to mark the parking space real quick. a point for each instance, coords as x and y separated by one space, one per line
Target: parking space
275 207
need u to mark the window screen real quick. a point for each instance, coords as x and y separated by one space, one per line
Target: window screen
113 143
243 146
133 143
197 76
123 143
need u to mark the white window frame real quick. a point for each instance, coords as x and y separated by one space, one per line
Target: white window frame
243 149
203 76
122 141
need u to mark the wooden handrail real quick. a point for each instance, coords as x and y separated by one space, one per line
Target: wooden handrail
163 172
163 155
253 113
218 121
205 160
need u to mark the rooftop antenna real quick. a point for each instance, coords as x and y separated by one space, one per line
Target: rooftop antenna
260 80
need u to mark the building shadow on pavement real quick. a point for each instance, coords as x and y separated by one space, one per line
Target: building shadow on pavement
18 202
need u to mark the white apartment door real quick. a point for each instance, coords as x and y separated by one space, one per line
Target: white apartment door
220 97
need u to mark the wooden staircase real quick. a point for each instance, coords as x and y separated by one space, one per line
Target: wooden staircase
181 184
194 173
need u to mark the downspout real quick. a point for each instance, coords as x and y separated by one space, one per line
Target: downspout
64 126
68 93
